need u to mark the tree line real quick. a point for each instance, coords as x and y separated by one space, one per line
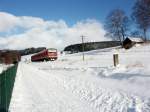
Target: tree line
118 25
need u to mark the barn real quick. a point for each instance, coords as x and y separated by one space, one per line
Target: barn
9 57
129 42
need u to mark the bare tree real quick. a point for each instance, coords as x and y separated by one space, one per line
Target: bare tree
116 24
141 15
136 33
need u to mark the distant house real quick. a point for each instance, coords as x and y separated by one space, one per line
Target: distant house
129 42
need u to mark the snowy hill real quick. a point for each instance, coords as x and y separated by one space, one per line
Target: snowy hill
71 85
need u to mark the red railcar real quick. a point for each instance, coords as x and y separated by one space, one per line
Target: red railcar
45 55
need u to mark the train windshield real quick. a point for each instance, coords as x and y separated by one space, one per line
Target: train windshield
52 50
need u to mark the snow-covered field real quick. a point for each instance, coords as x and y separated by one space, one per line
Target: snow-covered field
94 85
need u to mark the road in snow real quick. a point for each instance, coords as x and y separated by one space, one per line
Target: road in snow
70 85
37 91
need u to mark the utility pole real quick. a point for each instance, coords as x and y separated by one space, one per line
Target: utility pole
83 46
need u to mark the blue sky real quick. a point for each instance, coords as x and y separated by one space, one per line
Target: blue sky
69 10
55 23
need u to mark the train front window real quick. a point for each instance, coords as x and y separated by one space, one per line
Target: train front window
52 50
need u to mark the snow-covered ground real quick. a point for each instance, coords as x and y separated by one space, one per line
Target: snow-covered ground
94 85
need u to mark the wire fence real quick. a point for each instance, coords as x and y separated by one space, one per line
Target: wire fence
7 79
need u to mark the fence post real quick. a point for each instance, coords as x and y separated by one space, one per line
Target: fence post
116 59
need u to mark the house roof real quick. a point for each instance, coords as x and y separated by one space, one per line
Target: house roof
136 39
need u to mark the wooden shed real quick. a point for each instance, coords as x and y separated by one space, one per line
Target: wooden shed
129 42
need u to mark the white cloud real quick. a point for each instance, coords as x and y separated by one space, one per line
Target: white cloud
47 33
7 21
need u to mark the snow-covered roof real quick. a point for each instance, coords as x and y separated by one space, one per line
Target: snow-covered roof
136 39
